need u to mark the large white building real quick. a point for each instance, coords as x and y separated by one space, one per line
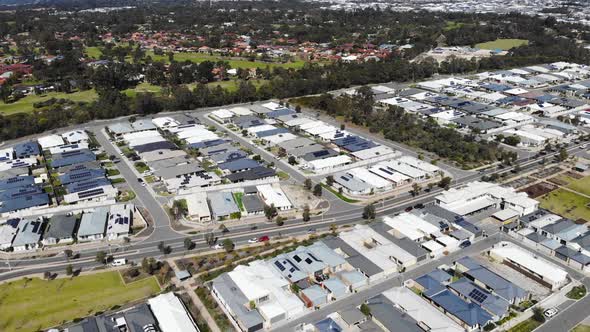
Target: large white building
274 196
411 226
171 314
531 265
477 196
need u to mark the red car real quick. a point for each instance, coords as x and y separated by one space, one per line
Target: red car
263 238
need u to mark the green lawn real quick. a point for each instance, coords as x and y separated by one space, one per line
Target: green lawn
503 44
26 104
39 304
582 185
567 204
337 194
142 87
93 52
577 292
581 328
452 25
526 326
238 198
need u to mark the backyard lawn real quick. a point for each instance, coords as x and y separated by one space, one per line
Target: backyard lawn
39 304
26 104
567 204
503 44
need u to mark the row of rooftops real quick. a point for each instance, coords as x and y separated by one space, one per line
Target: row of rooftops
25 234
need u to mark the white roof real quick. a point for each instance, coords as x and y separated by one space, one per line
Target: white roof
515 116
241 111
433 246
411 226
395 101
505 214
107 191
264 127
222 113
119 220
318 130
516 91
7 234
329 162
7 154
171 314
363 174
165 122
379 150
419 164
274 196
279 138
494 96
272 105
201 133
298 121
390 175
330 136
382 88
421 311
545 220
403 168
447 241
141 134
50 141
311 124
549 271
376 248
8 164
197 204
75 136
141 141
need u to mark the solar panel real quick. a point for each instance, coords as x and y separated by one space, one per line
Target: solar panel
91 193
279 266
477 295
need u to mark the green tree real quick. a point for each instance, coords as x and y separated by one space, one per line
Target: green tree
270 211
538 314
188 244
292 160
101 257
563 155
445 182
369 212
69 269
209 238
365 309
306 213
307 184
330 180
228 245
317 190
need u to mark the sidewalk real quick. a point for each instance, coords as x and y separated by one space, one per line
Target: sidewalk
186 287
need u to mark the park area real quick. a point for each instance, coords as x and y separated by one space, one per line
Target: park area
33 304
567 204
25 104
502 44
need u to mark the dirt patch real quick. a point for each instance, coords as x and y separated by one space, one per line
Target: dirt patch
539 189
558 181
301 197
574 175
547 172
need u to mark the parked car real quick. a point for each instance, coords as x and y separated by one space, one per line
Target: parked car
408 209
253 240
263 238
217 246
119 262
551 312
419 206
311 231
465 244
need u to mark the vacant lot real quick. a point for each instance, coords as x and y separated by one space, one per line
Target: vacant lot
26 104
35 304
567 204
502 44
539 189
581 185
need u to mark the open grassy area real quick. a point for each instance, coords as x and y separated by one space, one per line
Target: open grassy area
452 25
38 304
93 52
339 195
567 204
581 328
503 44
582 185
26 104
526 326
142 87
577 292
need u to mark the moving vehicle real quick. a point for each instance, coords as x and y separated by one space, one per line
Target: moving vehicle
408 209
263 238
253 240
551 312
217 246
419 206
311 231
465 244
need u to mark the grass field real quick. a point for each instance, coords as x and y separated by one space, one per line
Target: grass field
142 87
503 44
26 104
582 185
581 328
38 304
526 326
452 25
567 204
93 52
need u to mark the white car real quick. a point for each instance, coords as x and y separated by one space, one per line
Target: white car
253 240
550 312
119 262
217 246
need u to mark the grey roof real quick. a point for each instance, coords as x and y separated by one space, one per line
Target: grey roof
29 232
297 152
387 314
136 318
583 241
409 92
221 148
94 164
60 227
468 312
347 181
336 286
316 295
255 173
351 316
222 204
431 286
120 128
239 165
235 299
296 143
441 212
489 302
252 203
476 123
170 162
143 124
406 244
94 222
460 234
12 172
500 286
354 257
176 171
229 155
